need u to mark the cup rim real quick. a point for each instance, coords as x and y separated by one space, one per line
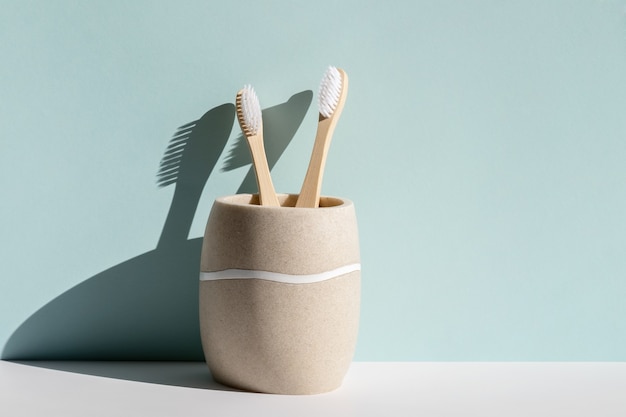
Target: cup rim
287 201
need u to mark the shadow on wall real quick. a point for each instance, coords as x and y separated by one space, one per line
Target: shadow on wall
147 307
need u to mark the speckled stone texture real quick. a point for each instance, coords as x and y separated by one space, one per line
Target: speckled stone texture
275 337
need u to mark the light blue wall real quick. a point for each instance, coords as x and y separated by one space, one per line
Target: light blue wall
483 142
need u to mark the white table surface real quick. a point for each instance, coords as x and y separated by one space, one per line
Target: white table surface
370 389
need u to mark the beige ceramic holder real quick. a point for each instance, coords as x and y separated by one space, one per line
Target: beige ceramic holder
280 294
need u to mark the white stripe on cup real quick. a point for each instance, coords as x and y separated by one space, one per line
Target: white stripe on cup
278 277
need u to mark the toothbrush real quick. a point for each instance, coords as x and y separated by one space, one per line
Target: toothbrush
331 98
251 122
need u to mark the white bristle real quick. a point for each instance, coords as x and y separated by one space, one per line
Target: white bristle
330 90
251 110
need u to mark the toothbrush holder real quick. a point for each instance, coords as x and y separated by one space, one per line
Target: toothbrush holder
280 294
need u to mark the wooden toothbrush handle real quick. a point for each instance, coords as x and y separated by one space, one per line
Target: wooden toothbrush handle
312 185
267 194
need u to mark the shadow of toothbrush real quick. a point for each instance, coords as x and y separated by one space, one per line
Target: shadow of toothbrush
188 162
146 308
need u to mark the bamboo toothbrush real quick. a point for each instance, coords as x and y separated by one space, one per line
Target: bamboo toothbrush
251 122
331 98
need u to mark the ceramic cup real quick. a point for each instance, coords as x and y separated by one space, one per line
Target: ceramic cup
280 294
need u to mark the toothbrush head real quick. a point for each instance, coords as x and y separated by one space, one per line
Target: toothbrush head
330 91
249 111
